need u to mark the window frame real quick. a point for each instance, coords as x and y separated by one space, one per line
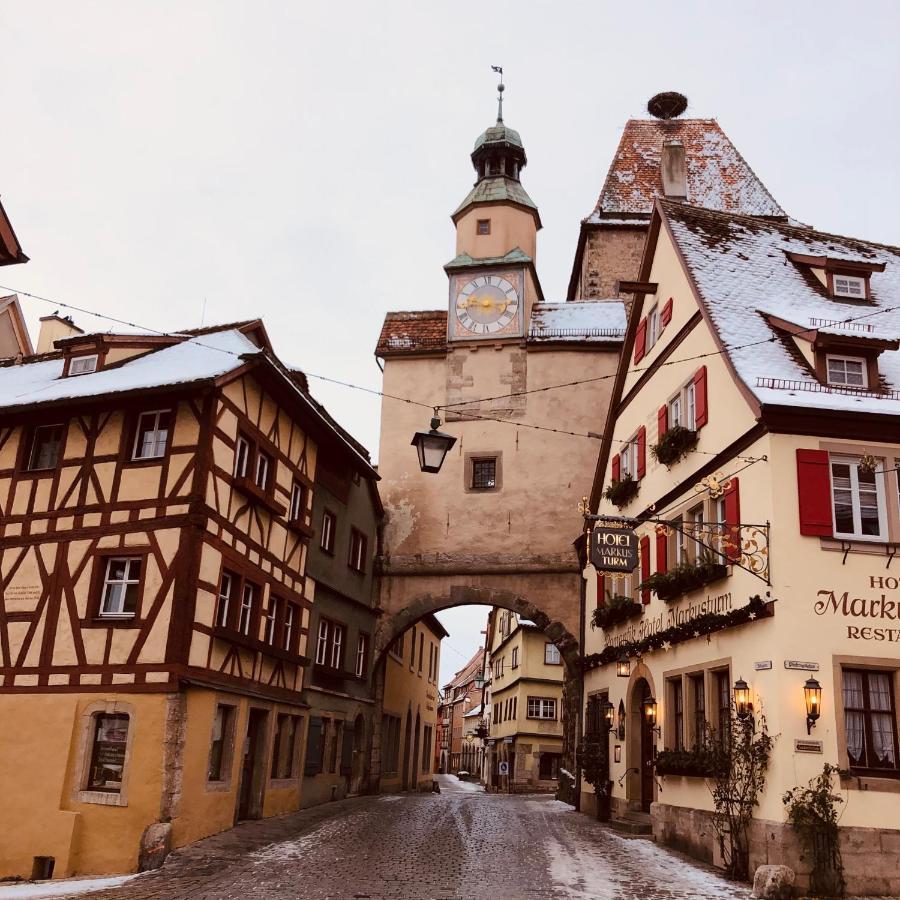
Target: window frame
225 601
488 482
541 701
551 654
326 645
74 360
28 466
514 660
362 654
482 227
653 327
242 462
285 745
245 627
299 503
844 359
106 560
855 506
676 699
358 551
226 750
867 712
327 535
91 757
137 443
850 279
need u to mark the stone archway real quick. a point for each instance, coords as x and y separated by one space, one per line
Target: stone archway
558 629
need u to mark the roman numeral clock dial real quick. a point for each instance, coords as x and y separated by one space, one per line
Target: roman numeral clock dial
484 306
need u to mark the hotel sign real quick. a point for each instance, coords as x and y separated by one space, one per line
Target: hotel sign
874 616
614 549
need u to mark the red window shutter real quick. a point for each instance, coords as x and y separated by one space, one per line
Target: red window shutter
701 408
645 566
642 452
733 519
601 590
640 341
662 420
616 468
814 489
666 315
662 552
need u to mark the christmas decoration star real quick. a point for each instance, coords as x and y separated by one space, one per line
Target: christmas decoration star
667 646
696 633
752 615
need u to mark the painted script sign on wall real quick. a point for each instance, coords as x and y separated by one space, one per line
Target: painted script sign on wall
873 616
614 550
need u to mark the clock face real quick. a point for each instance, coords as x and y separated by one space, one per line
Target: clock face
486 305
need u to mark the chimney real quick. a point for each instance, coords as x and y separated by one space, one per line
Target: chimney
674 170
54 328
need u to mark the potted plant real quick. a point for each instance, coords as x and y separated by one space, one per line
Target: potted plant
674 444
698 762
620 493
684 577
616 610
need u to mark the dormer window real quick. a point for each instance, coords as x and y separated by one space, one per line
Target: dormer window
83 365
850 286
846 371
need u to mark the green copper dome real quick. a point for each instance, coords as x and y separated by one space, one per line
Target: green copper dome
497 134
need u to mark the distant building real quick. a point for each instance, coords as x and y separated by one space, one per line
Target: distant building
462 695
409 708
525 742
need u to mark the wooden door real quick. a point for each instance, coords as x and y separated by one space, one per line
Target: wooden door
252 781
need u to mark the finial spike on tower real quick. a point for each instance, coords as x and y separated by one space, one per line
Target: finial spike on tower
500 89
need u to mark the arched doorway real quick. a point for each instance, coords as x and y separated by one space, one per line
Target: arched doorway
641 748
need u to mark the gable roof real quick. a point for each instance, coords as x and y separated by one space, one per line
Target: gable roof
10 248
718 177
10 307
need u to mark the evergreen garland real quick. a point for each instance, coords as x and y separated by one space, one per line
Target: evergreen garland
708 623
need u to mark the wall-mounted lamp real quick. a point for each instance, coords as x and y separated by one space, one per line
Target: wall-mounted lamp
623 666
812 693
650 711
743 705
608 711
432 446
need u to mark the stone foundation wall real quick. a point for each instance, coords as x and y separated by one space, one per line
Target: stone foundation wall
871 856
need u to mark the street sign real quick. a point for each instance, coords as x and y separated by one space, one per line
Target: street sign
614 549
503 768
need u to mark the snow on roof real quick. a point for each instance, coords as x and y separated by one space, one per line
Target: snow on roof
718 177
591 321
740 268
198 359
475 711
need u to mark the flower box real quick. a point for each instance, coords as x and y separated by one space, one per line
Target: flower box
683 579
621 493
617 610
697 763
674 444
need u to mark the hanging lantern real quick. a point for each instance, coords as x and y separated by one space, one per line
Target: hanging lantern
812 693
432 446
650 710
742 704
623 666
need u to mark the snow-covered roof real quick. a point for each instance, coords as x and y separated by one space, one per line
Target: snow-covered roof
718 177
741 269
581 321
475 711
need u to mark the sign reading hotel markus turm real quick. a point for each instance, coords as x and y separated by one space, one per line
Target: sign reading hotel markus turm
614 549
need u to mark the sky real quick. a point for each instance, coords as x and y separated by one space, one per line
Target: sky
172 163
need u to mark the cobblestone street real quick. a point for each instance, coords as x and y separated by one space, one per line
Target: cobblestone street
456 845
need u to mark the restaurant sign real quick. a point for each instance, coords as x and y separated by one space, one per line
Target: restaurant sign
614 549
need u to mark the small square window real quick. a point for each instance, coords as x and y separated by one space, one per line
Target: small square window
152 435
850 286
110 741
45 446
83 365
551 655
484 226
121 584
484 474
847 371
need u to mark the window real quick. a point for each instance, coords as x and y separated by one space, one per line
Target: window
271 619
484 474
694 531
698 697
263 469
426 749
675 411
628 460
498 668
330 644
723 701
484 226
857 500
46 442
121 586
110 740
299 500
541 708
362 655
548 767
315 746
222 732
551 655
291 617
284 747
850 286
421 649
680 540
152 434
514 662
248 600
683 407
396 647
241 457
848 371
513 706
329 524
412 650
430 661
226 592
83 365
870 720
652 327
390 743
676 690
357 560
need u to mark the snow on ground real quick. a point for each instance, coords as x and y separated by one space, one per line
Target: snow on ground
62 887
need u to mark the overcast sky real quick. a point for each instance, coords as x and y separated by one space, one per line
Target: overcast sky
300 161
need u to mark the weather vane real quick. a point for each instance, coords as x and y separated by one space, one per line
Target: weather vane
500 89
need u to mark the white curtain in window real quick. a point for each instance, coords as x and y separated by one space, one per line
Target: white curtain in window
882 726
853 697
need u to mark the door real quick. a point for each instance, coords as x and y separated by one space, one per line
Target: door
414 767
250 797
359 754
647 753
407 736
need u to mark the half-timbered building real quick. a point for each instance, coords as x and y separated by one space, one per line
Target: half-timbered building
155 512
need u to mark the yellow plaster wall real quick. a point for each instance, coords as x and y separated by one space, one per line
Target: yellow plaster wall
510 227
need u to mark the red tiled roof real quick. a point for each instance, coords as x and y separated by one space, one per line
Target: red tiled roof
718 177
413 332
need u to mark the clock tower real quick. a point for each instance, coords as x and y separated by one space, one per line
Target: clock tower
493 284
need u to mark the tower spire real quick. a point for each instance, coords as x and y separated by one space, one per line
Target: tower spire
500 89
